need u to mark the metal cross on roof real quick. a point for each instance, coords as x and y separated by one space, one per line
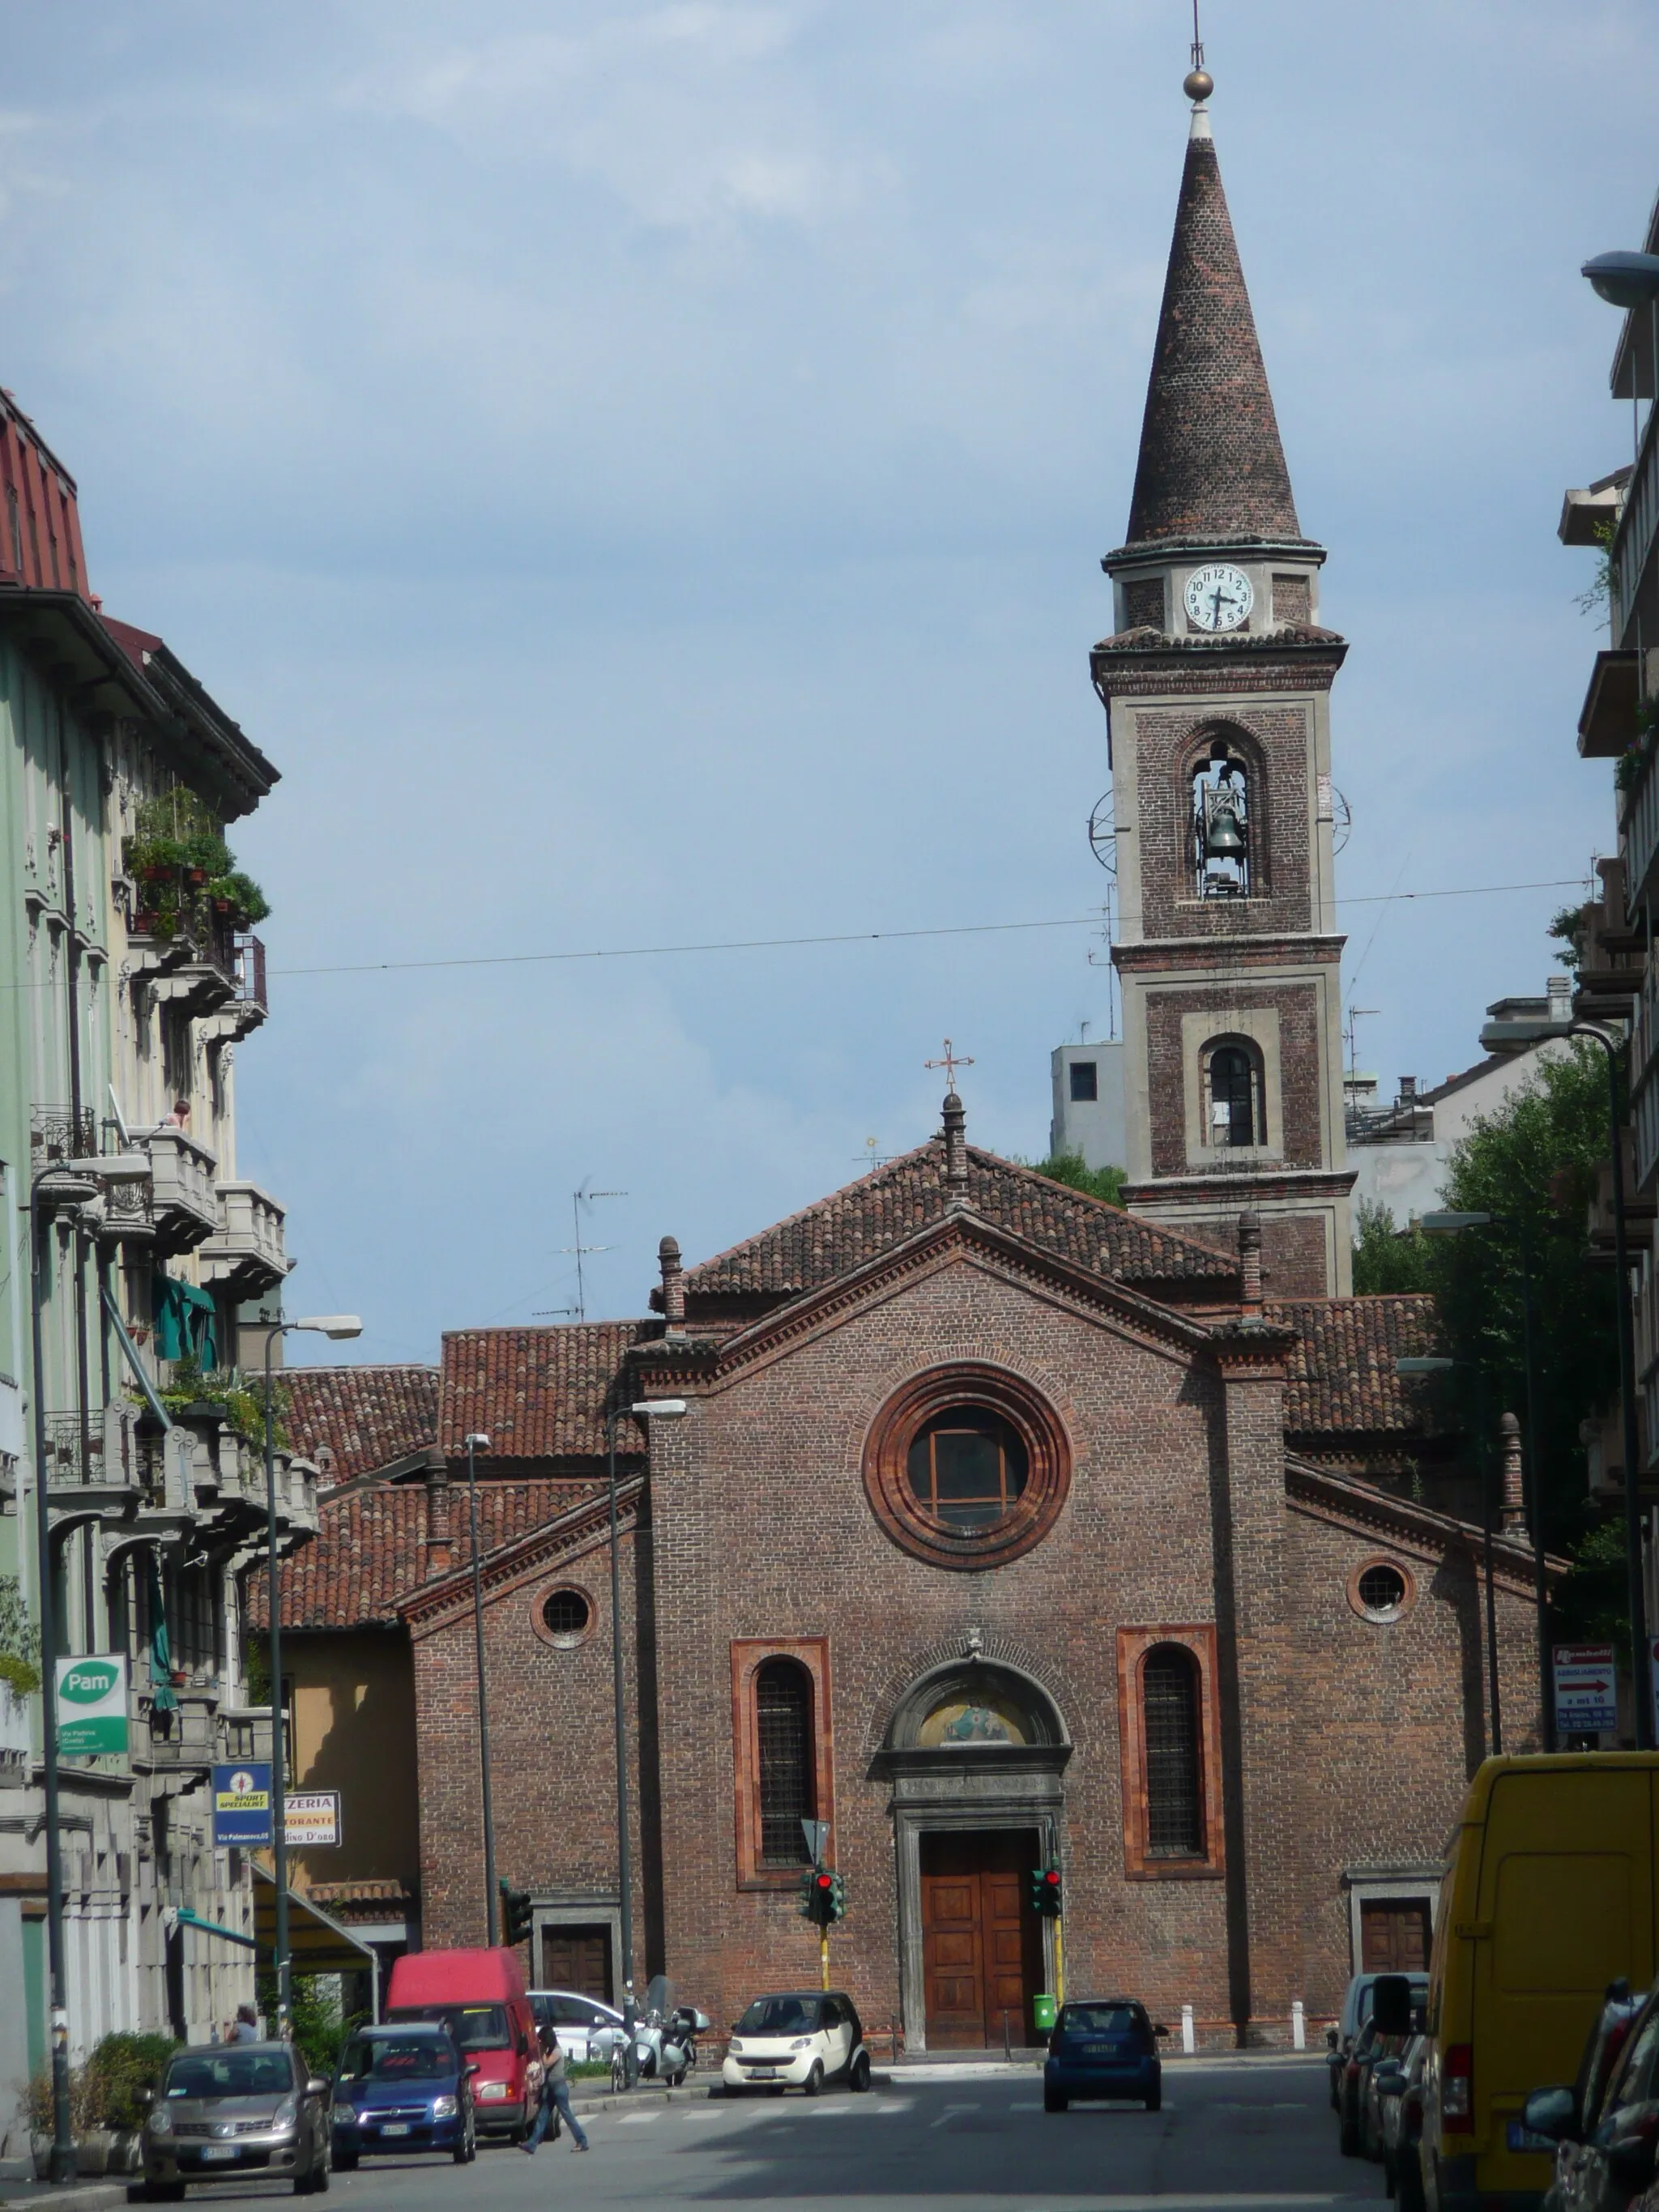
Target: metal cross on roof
951 1061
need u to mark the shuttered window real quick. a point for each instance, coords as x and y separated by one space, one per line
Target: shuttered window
783 1728
1175 1796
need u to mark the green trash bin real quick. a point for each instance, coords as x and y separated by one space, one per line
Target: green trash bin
1043 2013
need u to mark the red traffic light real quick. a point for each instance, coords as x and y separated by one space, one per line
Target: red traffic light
1052 1878
825 1881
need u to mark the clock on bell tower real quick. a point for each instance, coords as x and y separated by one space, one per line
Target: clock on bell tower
1216 681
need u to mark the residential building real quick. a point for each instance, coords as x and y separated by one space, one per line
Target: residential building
130 978
1088 1110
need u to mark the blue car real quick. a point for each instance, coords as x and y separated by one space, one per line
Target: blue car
1103 2047
402 2088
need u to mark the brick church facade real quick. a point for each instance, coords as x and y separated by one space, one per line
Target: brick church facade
1003 1527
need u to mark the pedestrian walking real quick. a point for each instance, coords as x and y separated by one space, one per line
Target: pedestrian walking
245 2028
556 2094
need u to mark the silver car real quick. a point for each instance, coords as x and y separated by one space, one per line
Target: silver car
226 2110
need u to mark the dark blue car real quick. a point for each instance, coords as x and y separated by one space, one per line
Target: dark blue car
404 2088
1103 2047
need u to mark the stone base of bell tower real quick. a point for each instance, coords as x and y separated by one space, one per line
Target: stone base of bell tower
1307 1230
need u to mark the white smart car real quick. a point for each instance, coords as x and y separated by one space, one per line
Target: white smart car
798 2040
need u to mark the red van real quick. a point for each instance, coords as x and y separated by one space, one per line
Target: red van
479 1996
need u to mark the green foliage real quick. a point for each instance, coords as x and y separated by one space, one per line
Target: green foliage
104 2093
1565 930
1068 1168
20 1640
1389 1259
320 2028
1597 599
177 854
242 1396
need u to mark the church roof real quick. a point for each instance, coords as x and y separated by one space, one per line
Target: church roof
535 1393
355 1420
1341 1378
1211 466
859 1222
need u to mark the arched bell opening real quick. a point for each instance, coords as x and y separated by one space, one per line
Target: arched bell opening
1223 819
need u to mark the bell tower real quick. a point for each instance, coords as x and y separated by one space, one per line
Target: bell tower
1216 682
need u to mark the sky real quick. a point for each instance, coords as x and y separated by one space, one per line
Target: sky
640 470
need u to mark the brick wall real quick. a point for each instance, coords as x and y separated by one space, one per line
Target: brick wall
1297 1007
1276 739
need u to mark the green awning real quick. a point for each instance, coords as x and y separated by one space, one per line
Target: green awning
186 1322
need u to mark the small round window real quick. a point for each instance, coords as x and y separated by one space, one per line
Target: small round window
966 1467
566 1616
1380 1590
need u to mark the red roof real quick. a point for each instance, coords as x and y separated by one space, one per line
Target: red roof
535 1393
41 543
356 1420
1341 1379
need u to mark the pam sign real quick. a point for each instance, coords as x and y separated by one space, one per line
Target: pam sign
92 1705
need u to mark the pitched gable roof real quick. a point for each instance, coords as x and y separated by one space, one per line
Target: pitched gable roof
354 1421
859 1223
535 1393
1341 1378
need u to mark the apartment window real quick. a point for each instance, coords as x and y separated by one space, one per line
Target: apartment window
780 1754
1086 1082
1170 1741
1175 1796
783 1760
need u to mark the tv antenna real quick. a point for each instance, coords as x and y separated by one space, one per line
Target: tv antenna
1355 1014
579 1199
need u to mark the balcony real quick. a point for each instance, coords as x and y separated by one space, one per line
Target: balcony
245 1256
184 1200
185 1741
103 1464
58 1132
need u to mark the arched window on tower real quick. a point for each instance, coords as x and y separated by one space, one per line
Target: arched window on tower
1221 824
1233 1081
784 1763
1174 1770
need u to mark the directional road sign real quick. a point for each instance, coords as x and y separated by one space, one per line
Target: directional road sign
1586 1688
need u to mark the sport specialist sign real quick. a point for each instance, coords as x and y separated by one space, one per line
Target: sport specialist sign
1586 1688
241 1804
92 1705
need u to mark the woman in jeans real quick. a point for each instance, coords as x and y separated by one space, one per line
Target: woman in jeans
556 2094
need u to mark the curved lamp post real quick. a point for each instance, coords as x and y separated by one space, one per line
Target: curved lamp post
338 1326
81 1180
646 1409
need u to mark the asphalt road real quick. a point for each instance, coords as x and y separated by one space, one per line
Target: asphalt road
1233 2136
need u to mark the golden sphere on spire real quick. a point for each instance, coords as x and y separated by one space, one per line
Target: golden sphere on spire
1198 84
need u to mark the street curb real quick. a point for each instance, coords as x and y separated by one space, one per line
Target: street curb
77 2196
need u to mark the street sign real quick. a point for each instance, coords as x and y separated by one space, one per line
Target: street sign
92 1705
817 1834
311 1820
241 1804
1586 1688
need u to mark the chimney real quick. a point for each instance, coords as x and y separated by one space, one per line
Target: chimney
955 1150
439 1556
1513 1519
1408 1089
1250 1260
673 1287
1559 988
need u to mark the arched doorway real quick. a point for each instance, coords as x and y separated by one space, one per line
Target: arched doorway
975 1752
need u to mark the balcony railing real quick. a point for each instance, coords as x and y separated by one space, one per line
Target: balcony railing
249 955
184 1201
247 1252
58 1132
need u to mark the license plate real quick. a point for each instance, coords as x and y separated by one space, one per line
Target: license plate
395 2127
1097 2050
1520 2136
219 2152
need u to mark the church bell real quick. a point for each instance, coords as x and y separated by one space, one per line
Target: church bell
1223 838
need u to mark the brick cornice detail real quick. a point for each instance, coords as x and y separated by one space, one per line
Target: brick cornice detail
1347 1502
1182 954
529 1557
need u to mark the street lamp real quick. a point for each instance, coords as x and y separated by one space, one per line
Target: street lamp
646 1409
1427 1365
81 1180
339 1327
1518 1037
475 1443
1451 1224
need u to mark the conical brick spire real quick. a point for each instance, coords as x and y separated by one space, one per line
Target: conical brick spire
1211 463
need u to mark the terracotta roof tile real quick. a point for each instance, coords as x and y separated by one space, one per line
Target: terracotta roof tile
535 1393
857 1223
369 1552
1341 1377
355 1420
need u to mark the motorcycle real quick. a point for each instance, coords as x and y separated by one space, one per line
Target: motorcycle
665 2038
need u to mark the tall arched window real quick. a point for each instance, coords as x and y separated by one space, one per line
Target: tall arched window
1221 824
784 1761
1235 1101
1175 1788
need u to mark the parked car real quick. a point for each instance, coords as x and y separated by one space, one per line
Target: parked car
1386 2077
402 2087
1604 2127
480 1997
1355 2011
1390 2018
1398 2086
225 2112
797 2039
1103 2047
586 2029
1548 1894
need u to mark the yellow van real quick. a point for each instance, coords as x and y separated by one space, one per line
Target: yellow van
1548 1895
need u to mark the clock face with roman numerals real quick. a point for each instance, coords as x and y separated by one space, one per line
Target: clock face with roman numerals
1218 597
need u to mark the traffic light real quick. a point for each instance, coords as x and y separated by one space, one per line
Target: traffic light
823 1897
517 1912
1045 1892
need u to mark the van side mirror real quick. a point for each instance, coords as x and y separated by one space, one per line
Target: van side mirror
1390 2080
1554 2113
471 2067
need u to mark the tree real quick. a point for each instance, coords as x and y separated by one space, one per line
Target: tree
1388 1259
1068 1168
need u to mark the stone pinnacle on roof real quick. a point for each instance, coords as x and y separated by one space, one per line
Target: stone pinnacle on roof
1211 463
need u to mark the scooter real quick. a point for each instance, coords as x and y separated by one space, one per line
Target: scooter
679 2043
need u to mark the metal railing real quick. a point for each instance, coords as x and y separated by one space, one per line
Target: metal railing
248 954
58 1132
75 1447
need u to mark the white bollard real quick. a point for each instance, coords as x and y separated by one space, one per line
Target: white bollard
1189 2039
1298 2026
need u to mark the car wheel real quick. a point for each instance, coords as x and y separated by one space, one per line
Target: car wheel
346 2160
1054 2101
814 2080
858 2075
322 2175
1155 2102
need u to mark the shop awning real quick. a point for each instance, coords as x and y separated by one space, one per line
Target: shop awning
316 1944
186 1918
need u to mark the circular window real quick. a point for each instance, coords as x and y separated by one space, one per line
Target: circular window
566 1616
967 1466
1380 1590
